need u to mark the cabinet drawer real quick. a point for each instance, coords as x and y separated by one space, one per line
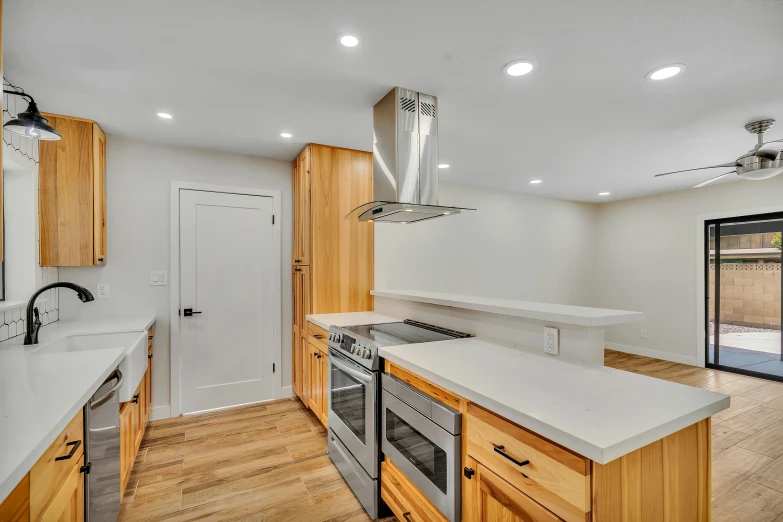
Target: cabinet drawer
48 474
549 474
404 499
317 337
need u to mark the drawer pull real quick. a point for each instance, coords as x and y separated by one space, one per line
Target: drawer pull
468 472
74 446
407 516
318 336
520 463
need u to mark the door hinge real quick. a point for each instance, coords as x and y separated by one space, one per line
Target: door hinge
273 367
273 219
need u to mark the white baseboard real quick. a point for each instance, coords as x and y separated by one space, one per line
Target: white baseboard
655 354
160 412
288 392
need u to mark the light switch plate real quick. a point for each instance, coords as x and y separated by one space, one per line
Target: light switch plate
552 341
103 291
159 278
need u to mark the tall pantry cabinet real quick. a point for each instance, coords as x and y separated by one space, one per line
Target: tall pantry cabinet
332 256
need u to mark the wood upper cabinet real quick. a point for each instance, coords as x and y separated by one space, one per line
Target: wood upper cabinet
72 194
301 197
342 249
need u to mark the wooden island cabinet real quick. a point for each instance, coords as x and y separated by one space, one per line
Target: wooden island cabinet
511 474
332 257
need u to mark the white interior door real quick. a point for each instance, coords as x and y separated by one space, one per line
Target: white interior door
226 278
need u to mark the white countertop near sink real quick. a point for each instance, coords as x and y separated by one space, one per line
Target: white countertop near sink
349 319
599 412
41 392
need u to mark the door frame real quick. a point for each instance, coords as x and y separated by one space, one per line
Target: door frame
174 282
702 257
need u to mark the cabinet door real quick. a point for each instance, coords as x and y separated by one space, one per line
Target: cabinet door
296 364
127 450
148 390
138 419
314 400
66 196
325 393
301 189
304 354
489 498
342 249
99 196
68 502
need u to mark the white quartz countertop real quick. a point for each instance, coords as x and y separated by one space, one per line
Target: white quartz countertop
557 313
349 319
40 392
598 412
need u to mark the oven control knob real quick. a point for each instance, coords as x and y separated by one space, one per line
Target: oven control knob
367 354
354 348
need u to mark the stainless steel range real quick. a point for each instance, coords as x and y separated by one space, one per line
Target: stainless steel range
354 398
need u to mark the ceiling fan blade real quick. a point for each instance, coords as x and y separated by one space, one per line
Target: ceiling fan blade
732 164
716 178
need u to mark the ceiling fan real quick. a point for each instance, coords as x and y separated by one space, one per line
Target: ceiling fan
761 162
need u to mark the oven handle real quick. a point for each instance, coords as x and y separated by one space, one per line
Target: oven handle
350 371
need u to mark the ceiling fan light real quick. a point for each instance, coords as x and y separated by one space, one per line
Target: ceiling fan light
755 168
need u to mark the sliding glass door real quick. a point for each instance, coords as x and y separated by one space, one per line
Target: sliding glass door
743 295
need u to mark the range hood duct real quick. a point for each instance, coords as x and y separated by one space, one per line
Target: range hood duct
405 160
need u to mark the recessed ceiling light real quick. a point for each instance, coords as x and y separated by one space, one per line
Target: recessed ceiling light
519 68
164 115
285 135
402 222
446 213
604 193
348 40
535 181
444 166
666 72
408 210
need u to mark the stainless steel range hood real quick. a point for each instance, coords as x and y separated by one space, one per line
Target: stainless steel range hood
405 160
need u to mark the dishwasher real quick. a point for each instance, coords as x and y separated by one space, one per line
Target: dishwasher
102 452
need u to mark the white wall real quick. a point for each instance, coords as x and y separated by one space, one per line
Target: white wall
647 261
513 246
138 194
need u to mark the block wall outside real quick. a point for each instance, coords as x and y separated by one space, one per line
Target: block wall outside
749 294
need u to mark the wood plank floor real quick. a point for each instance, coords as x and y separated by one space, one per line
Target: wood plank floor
268 462
747 438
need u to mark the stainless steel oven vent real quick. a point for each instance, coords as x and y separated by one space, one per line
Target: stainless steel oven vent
405 160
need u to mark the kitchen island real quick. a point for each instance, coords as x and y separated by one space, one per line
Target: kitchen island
597 443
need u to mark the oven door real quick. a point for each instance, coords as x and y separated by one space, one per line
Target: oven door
352 409
426 453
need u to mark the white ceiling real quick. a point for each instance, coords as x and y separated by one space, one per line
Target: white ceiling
236 73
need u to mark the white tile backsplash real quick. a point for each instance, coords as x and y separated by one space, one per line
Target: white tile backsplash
12 322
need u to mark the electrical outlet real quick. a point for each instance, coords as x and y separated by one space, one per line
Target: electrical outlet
643 333
158 278
552 341
103 291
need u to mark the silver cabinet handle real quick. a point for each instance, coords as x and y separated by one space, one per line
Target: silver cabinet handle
106 396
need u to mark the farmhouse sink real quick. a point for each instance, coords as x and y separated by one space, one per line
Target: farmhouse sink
132 366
